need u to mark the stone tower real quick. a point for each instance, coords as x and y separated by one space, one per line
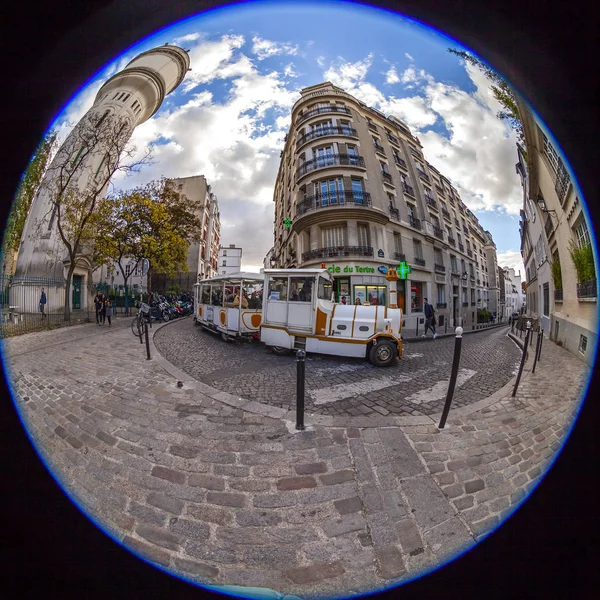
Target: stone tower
129 97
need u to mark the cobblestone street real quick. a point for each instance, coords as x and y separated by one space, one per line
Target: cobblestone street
223 489
416 385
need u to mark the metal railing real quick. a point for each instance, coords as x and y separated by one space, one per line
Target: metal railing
451 241
349 160
431 202
439 268
332 251
393 139
437 231
414 222
400 161
441 305
408 189
379 147
400 256
394 212
386 177
465 304
423 175
321 110
549 227
420 261
587 289
372 127
469 253
343 198
461 247
325 131
446 214
562 182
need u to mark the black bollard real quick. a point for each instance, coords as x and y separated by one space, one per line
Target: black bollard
417 331
453 375
531 337
537 350
541 342
523 358
147 341
301 364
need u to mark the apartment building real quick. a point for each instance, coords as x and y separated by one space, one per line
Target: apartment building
554 227
230 259
513 294
355 193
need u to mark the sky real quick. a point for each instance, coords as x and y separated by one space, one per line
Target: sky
228 118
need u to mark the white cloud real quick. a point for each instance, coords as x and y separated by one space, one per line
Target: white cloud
267 48
190 37
513 259
289 71
392 76
408 56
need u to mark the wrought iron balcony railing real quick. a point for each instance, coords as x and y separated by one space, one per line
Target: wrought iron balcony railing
394 212
408 189
372 127
558 295
325 131
343 198
473 303
469 253
431 202
451 241
587 289
414 222
437 231
439 268
323 110
446 214
563 180
348 160
461 247
423 175
379 147
400 161
332 251
386 177
549 227
419 261
441 305
400 256
465 304
393 139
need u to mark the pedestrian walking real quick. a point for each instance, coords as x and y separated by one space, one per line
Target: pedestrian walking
43 303
97 307
429 319
102 311
108 310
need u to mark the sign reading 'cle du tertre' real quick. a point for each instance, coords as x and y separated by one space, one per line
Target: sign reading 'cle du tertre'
350 269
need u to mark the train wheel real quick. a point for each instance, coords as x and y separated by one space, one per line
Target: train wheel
280 350
382 354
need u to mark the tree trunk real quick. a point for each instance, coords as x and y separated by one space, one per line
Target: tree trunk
126 299
67 311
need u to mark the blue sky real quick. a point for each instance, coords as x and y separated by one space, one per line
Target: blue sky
228 118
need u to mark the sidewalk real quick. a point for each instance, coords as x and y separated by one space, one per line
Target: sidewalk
225 491
449 332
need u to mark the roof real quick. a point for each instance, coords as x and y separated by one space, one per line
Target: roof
235 276
298 272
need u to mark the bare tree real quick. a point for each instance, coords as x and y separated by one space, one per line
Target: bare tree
78 179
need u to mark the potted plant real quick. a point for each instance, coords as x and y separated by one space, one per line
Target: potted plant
583 260
556 274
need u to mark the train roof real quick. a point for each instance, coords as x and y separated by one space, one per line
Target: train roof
246 276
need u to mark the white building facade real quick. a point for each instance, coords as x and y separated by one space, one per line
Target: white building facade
230 259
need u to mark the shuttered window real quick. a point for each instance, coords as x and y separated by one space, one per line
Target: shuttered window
363 235
334 236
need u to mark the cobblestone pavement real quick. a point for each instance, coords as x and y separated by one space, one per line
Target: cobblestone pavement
416 385
230 497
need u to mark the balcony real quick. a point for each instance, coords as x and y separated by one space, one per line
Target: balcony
423 175
347 160
393 139
451 241
441 305
558 295
400 256
466 229
440 190
562 183
457 223
345 198
419 261
587 289
379 148
408 189
400 161
321 110
394 212
325 131
387 178
337 251
431 202
437 231
469 253
372 126
446 214
479 282
414 222
465 304
473 303
439 268
461 247
472 278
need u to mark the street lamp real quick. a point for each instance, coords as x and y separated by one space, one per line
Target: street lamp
542 204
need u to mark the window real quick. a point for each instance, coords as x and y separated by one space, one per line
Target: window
278 288
582 344
322 128
363 235
324 156
472 296
411 210
464 295
397 243
330 191
551 154
453 263
463 267
334 236
418 249
346 128
384 167
441 294
224 263
357 190
546 300
325 289
352 151
127 270
583 234
100 166
471 270
301 289
438 256
74 163
224 252
416 296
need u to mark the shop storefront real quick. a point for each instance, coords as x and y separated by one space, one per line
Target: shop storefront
362 281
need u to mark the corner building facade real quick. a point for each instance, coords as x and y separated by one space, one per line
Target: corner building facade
360 195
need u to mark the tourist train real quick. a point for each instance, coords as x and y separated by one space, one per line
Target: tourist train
293 309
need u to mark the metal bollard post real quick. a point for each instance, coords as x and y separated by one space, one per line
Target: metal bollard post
531 340
537 349
453 375
301 369
523 358
147 341
141 331
541 342
417 331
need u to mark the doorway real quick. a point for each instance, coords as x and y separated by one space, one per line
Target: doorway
76 295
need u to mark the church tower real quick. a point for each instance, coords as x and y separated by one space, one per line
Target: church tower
130 97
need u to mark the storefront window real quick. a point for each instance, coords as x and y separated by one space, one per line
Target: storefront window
278 288
301 289
371 294
416 297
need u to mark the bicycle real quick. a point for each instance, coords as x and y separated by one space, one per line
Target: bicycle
140 321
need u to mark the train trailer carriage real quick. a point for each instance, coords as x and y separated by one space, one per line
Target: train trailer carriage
299 313
230 305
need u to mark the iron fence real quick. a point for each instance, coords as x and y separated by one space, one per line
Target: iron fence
21 309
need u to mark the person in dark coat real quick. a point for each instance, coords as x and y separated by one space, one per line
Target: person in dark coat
429 319
97 307
108 310
43 303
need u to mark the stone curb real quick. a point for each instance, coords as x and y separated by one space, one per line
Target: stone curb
453 334
289 416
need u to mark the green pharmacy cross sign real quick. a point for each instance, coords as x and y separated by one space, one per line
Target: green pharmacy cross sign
403 270
287 223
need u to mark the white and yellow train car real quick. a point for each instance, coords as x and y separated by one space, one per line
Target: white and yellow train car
298 313
230 305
